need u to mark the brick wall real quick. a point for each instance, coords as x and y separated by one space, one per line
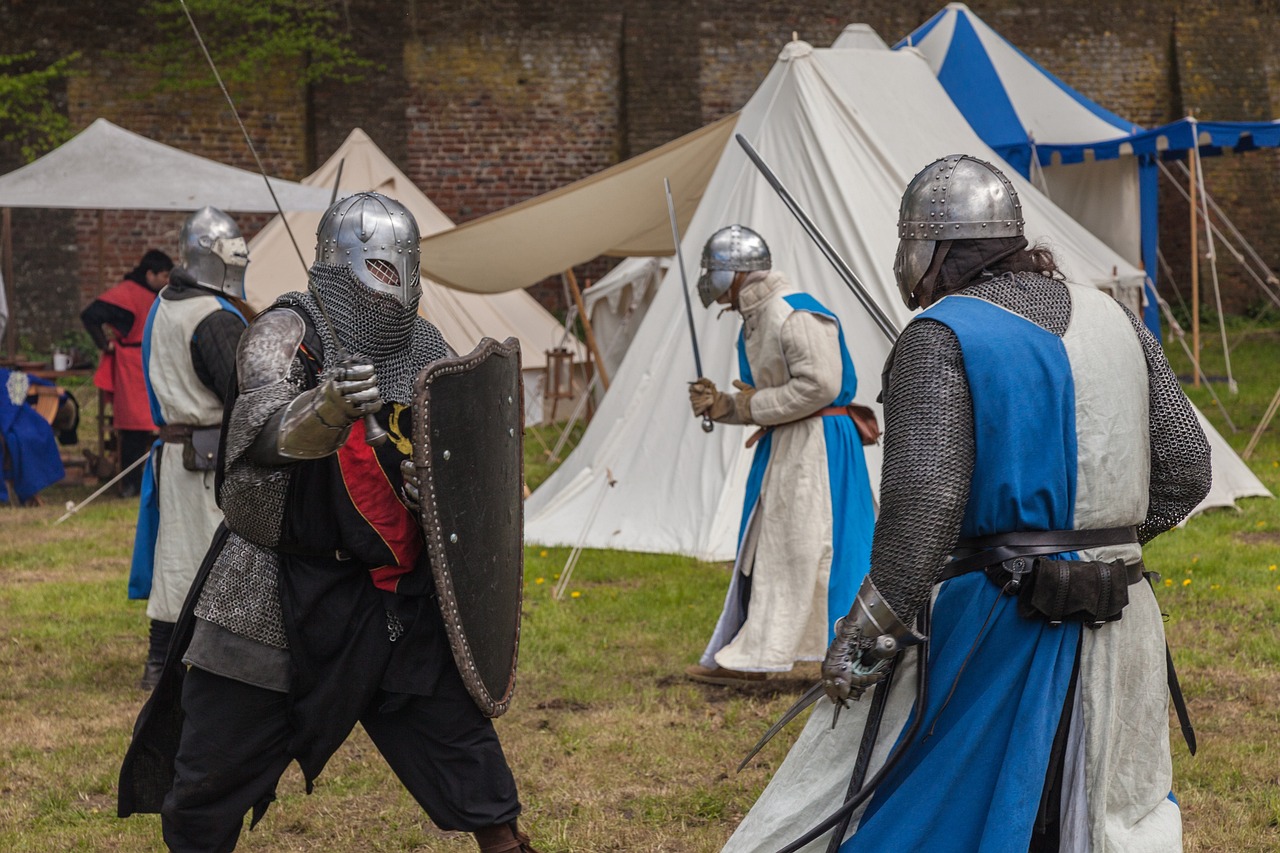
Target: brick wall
485 103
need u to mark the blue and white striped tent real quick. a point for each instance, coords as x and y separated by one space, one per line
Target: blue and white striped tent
1094 164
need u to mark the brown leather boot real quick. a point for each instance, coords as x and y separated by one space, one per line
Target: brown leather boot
504 838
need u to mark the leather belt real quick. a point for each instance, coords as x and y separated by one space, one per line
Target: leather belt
982 551
176 433
828 412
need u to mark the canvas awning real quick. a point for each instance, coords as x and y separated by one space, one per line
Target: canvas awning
620 212
105 167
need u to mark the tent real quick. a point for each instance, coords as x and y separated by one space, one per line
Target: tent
1098 167
105 167
845 129
463 318
620 212
617 303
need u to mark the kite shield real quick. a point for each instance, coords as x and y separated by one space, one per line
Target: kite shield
468 451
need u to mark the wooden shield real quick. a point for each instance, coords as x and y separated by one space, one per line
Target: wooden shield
468 449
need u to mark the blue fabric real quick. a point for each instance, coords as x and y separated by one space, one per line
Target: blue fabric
1149 206
1024 419
31 460
853 510
142 568
146 364
918 34
971 780
853 516
997 682
976 89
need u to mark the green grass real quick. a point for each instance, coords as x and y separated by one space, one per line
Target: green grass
612 748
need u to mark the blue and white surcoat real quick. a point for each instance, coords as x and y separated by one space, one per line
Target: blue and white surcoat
1062 441
805 538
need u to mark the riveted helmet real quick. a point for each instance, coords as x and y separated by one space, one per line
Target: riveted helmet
730 251
212 251
956 198
377 238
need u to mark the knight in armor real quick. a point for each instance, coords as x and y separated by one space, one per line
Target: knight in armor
316 606
189 352
804 543
1035 439
115 321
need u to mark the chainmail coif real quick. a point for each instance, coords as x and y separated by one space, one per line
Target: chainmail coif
929 447
369 325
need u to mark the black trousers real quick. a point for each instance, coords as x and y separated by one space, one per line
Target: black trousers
233 751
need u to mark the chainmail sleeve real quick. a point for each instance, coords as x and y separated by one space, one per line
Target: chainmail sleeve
1180 469
271 374
929 454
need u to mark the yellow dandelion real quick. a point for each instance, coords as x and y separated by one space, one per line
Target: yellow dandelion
1271 567
540 580
557 576
542 553
1168 581
575 594
1195 559
1260 524
1186 582
1215 586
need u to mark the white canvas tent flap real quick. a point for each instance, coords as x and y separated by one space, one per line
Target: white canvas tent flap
618 302
845 130
105 167
621 211
463 318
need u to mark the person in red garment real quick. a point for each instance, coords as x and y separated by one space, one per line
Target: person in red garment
123 310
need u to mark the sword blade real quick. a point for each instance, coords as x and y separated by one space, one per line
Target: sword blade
811 695
707 424
828 251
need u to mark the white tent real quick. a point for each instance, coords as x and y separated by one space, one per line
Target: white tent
105 167
845 129
617 303
463 318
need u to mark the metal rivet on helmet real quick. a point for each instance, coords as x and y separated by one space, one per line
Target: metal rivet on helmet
374 224
730 250
971 198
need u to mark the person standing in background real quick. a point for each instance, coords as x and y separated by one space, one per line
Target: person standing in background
123 309
189 356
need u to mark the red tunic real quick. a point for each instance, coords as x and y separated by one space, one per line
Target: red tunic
120 373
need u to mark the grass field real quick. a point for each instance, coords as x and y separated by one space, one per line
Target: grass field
613 750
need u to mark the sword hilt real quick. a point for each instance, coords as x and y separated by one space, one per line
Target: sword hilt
707 424
374 434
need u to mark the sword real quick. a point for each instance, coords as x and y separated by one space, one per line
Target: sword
72 509
374 434
707 424
813 694
828 251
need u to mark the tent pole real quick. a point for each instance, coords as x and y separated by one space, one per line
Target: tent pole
586 325
1195 273
6 250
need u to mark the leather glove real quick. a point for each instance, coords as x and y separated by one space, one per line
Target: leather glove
853 663
706 399
742 401
349 394
412 491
